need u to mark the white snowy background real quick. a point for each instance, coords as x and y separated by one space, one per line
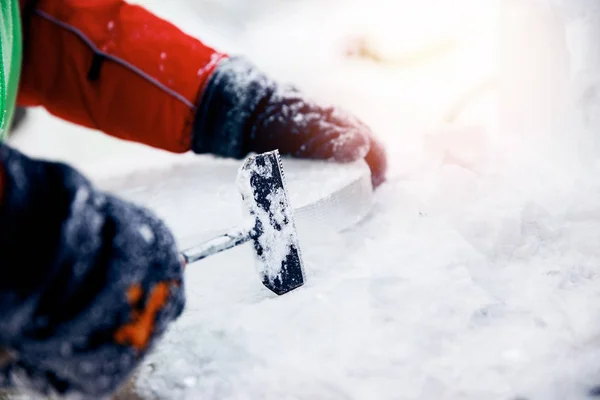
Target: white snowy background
476 275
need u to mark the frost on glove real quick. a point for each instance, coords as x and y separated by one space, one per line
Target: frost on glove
88 282
242 110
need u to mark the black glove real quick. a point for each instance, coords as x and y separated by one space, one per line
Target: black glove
242 111
88 282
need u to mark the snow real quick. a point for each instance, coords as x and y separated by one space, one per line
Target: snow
146 233
476 275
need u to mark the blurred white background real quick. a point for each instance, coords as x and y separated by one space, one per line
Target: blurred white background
402 66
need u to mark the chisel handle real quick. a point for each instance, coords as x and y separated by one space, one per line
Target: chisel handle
216 245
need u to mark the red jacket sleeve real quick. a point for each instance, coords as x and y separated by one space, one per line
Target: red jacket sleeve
115 67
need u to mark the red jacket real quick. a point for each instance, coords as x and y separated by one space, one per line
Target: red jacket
115 67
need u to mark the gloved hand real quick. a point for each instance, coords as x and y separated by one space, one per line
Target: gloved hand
242 110
88 282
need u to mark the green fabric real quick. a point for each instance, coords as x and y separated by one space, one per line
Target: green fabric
10 61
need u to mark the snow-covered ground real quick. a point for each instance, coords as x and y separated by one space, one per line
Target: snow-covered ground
477 273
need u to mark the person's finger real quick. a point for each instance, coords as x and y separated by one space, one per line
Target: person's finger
376 158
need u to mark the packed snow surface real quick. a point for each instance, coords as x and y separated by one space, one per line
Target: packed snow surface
475 276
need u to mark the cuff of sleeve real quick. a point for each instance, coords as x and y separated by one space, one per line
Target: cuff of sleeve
228 108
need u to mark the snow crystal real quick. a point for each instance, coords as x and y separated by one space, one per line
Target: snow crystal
146 233
298 118
111 25
214 58
81 197
341 142
163 56
190 381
